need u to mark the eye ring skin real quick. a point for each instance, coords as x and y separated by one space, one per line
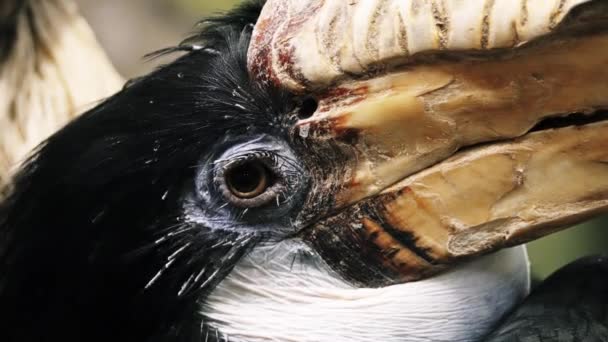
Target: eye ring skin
276 213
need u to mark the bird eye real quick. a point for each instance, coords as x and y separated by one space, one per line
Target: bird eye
261 176
248 180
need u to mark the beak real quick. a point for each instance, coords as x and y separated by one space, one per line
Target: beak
457 145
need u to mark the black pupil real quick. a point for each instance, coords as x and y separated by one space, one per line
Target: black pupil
246 178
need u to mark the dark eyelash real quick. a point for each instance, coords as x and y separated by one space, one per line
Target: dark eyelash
270 159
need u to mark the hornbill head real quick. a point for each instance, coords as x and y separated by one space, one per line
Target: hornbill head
341 172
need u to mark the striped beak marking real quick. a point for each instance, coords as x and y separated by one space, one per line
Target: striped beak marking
469 126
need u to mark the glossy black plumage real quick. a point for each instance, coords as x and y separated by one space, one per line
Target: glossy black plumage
570 306
93 244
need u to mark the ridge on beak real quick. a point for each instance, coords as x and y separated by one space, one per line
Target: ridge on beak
463 127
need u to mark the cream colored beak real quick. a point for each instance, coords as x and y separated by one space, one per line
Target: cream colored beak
460 144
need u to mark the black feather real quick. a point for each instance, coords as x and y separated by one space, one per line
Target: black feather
93 242
570 306
210 30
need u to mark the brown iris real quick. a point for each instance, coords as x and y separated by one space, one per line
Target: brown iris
248 180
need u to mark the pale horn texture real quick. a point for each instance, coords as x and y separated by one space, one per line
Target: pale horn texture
53 70
411 109
312 43
467 125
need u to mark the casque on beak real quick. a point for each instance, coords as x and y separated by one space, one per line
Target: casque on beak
470 125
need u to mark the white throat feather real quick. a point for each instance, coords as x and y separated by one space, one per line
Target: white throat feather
287 293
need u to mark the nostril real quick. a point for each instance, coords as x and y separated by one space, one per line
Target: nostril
308 107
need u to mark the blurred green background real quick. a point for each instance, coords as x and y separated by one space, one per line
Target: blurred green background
130 29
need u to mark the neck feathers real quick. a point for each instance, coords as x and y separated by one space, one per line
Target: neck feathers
286 293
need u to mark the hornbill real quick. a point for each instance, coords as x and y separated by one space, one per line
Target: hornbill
260 187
